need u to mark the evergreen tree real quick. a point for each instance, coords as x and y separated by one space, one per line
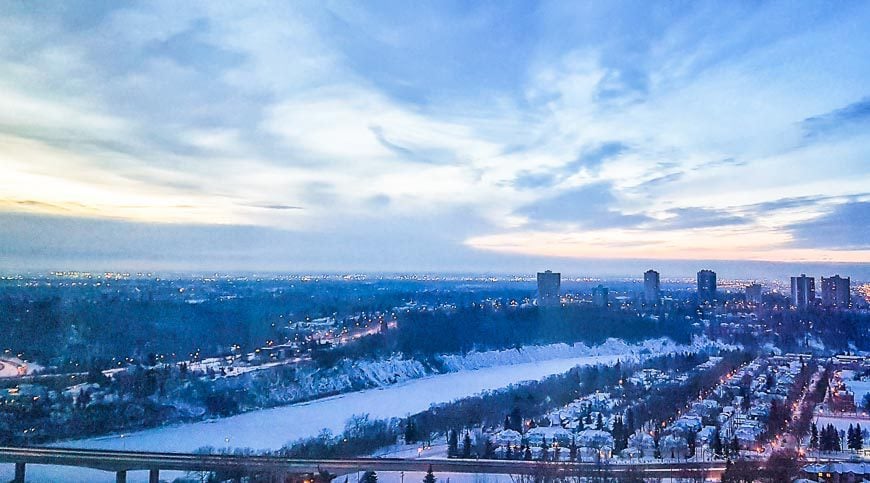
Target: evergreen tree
599 422
617 434
629 422
835 438
691 440
410 432
488 449
717 444
452 444
544 454
516 420
370 477
814 436
430 477
859 438
572 450
735 446
527 454
466 445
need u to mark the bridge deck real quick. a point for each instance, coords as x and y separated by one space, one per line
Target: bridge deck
121 461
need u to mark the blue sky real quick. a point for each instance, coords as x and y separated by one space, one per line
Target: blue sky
482 136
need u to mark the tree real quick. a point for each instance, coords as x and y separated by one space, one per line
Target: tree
466 445
452 444
691 440
741 471
488 449
430 477
527 454
516 420
370 477
411 432
814 436
735 446
599 422
783 466
717 444
572 450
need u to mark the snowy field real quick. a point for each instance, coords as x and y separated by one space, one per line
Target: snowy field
859 388
842 422
272 428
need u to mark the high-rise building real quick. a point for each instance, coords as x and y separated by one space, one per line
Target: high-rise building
548 288
753 293
651 287
599 296
706 286
836 291
803 291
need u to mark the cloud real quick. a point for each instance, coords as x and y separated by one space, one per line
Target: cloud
531 180
267 206
590 160
588 206
696 217
660 181
848 119
844 227
559 116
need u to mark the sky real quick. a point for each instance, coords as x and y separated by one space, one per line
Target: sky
435 136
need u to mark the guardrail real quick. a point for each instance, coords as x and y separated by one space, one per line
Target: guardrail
121 462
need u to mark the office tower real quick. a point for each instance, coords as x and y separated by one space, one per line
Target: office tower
836 291
548 288
706 286
651 287
753 293
599 296
803 291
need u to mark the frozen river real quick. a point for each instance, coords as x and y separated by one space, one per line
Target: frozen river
273 428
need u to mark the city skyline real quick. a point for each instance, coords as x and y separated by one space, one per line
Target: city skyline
598 138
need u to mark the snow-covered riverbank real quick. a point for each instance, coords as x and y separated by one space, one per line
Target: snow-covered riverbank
272 428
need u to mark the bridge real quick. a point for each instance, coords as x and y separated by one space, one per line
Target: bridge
278 468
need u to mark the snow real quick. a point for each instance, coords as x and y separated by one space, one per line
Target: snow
268 429
842 422
272 428
859 389
15 367
476 360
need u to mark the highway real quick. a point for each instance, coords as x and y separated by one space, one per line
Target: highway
122 461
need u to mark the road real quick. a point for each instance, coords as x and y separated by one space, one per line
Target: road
123 461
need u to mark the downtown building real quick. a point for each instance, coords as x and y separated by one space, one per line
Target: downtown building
600 296
549 284
803 291
753 293
651 287
706 286
836 292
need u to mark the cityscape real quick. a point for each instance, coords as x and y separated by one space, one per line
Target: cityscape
452 241
709 378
